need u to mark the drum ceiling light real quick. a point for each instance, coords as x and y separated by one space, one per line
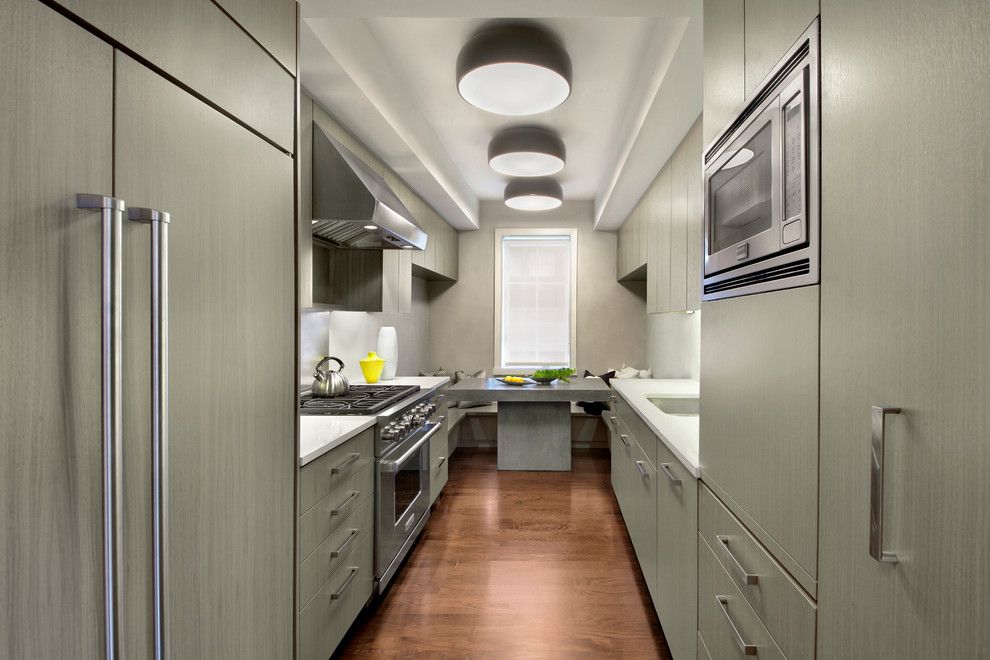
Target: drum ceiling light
526 151
514 70
533 194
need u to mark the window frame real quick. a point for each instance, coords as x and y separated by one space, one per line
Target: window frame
500 234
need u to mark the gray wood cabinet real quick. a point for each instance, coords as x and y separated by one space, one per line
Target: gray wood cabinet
772 27
905 318
194 41
439 455
634 481
668 223
55 140
271 22
759 419
724 64
231 283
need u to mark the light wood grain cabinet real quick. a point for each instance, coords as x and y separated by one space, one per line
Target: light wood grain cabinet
772 27
905 323
668 224
724 65
759 419
634 481
272 23
195 42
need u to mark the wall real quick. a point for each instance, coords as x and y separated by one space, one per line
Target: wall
350 335
611 317
673 344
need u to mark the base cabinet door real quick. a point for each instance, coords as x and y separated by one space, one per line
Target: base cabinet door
439 457
677 554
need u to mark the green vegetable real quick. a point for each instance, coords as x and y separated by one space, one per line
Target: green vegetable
562 374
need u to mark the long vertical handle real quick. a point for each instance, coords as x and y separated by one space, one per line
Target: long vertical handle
159 221
876 484
112 216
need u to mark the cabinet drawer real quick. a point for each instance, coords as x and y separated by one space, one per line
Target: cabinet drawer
725 619
677 553
635 425
323 475
325 621
328 514
331 553
775 598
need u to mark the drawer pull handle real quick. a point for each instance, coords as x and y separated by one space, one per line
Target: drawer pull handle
641 466
674 481
347 462
347 504
747 578
625 441
346 544
337 595
443 459
876 484
746 649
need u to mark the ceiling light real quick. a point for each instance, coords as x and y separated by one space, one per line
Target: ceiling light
371 227
526 151
514 70
533 194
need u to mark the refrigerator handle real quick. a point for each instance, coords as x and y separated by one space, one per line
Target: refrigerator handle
112 216
159 221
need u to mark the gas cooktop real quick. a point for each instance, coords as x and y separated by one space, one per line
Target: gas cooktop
359 400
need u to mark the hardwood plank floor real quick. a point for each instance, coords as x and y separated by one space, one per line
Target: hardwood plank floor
517 565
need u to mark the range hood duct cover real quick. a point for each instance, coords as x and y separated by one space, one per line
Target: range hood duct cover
348 196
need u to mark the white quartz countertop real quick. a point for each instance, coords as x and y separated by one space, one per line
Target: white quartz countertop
678 432
318 434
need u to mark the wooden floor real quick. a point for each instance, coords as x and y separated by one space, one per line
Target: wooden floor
517 565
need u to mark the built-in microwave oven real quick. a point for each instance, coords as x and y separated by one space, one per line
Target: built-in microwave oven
762 184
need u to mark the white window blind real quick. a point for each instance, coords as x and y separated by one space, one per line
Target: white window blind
537 300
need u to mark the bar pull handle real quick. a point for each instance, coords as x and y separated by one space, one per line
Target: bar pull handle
346 504
625 439
674 481
340 467
443 459
111 313
876 484
159 222
744 648
641 466
337 595
747 577
346 544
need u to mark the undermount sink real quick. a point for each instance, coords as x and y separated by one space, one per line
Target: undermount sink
681 406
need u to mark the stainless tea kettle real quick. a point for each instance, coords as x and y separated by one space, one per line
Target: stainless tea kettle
328 382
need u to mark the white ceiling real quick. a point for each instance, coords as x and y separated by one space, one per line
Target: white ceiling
386 70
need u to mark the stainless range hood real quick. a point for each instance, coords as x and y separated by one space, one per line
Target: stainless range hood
349 197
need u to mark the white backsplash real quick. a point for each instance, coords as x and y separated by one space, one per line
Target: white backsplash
673 344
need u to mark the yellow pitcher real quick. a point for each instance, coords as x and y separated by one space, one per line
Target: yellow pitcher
371 367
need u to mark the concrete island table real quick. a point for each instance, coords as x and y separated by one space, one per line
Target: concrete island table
534 421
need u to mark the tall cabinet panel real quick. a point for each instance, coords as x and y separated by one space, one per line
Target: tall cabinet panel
271 22
724 64
232 376
772 27
55 141
905 324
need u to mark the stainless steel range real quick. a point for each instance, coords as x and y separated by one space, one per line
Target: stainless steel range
402 456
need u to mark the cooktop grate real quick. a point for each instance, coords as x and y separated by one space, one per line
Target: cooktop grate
359 400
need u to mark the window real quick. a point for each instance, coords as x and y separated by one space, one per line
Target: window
535 291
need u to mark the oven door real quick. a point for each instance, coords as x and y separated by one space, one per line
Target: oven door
403 499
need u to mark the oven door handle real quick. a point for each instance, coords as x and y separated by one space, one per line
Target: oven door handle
393 466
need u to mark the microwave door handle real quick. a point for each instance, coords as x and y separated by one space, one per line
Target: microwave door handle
159 222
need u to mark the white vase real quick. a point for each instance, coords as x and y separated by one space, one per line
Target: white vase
388 350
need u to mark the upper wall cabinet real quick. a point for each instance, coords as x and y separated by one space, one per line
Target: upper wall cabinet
661 240
439 260
195 42
724 64
271 22
772 27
